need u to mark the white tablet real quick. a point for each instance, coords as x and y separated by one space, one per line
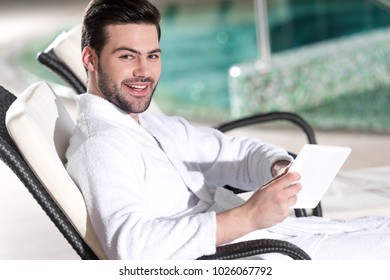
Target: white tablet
318 166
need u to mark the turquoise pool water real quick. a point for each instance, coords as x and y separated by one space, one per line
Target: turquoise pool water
201 42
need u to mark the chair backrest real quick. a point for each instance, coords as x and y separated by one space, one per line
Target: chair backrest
67 47
11 156
40 125
63 57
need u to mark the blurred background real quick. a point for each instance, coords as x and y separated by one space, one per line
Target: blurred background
327 60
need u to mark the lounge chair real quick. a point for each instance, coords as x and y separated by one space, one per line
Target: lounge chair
34 132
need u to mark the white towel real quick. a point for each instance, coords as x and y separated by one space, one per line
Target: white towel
322 238
315 225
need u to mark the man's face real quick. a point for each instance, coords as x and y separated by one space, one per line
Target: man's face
129 66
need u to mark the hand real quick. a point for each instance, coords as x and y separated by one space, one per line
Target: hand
270 204
267 207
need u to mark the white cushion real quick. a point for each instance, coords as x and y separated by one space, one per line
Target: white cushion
41 126
67 47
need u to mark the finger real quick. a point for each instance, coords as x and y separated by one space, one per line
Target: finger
289 178
293 189
292 200
283 180
293 176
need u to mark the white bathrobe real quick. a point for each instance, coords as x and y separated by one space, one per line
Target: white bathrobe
152 188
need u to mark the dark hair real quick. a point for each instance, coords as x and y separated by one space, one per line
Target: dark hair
101 13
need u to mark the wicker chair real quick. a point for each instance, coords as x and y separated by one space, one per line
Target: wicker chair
38 163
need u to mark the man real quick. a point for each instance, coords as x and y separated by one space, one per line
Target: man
152 184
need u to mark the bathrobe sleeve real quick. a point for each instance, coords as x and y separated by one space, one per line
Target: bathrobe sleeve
114 192
236 161
223 160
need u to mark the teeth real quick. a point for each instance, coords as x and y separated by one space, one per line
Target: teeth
137 87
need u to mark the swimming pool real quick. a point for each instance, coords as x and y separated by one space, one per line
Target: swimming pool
201 42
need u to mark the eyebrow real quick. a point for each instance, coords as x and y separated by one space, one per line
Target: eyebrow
158 50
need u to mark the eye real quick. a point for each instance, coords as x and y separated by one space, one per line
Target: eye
154 56
127 57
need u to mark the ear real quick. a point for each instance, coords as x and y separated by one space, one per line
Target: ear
89 58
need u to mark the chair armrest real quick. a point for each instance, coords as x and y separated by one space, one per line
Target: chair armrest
257 247
268 117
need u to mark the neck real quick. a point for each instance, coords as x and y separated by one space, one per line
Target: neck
134 116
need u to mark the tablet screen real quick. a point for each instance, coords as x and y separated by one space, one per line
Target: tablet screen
318 166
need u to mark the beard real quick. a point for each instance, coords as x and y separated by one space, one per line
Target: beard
125 102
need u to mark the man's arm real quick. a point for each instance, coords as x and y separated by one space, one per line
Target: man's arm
240 162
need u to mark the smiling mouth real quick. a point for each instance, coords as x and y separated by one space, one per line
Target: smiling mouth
137 87
140 89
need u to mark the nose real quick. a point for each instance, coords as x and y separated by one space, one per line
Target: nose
142 69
